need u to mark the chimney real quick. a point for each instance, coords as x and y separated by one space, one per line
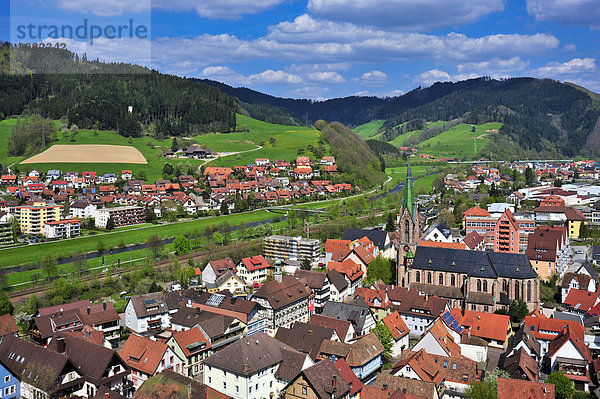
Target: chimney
104 305
60 344
106 395
88 310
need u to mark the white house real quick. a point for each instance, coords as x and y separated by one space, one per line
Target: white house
255 366
399 331
147 312
569 353
82 210
253 269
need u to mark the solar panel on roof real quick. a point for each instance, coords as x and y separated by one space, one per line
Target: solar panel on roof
150 301
215 300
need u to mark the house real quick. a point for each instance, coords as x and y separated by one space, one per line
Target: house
322 380
360 316
228 282
48 372
10 386
569 353
169 384
351 271
363 355
511 389
82 210
147 312
399 331
338 287
257 366
192 347
226 304
438 233
545 329
377 300
474 241
577 281
524 339
126 174
418 311
340 247
147 357
343 328
216 268
99 366
220 330
348 375
379 238
195 151
306 338
582 302
438 341
253 269
521 366
320 286
491 327
548 250
284 301
62 228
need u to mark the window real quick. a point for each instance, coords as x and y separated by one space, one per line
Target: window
7 378
224 385
516 290
418 277
485 286
237 389
452 280
209 380
304 391
441 279
429 278
257 386
250 390
478 285
529 291
453 366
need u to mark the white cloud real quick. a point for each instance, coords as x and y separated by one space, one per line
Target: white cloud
271 76
569 48
132 50
566 12
494 67
221 9
326 77
227 75
374 78
574 67
430 77
317 93
419 15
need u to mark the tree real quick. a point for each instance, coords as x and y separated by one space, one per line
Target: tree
66 207
518 310
480 390
182 245
110 224
292 219
174 145
386 338
100 247
6 305
438 183
305 265
379 268
155 244
149 215
80 262
390 225
167 169
33 304
529 176
563 386
224 209
217 237
49 266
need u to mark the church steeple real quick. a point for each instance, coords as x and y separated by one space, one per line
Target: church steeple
408 203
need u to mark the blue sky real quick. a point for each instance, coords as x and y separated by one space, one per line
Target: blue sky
330 48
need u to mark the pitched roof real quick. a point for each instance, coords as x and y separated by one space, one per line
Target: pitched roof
326 380
222 265
363 254
396 325
348 267
582 279
337 279
511 389
373 297
411 301
291 365
306 338
214 324
475 211
581 300
341 327
440 333
149 304
7 325
314 279
363 350
249 355
547 329
527 337
255 262
482 324
332 244
473 263
191 341
422 364
378 237
424 389
64 307
567 334
348 376
355 314
279 295
520 361
439 244
142 353
169 384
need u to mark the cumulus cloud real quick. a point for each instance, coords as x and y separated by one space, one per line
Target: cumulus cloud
430 77
495 67
326 77
374 78
271 76
569 48
576 66
566 12
414 15
227 75
222 9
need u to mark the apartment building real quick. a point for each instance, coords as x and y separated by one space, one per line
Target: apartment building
62 229
32 218
6 236
295 248
507 233
121 216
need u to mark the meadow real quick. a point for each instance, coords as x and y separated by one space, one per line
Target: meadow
460 141
369 130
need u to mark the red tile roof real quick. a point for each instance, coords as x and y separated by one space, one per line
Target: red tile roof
192 338
545 328
521 389
331 244
396 325
142 353
255 262
483 325
581 300
348 267
453 245
348 376
568 334
7 325
475 211
422 364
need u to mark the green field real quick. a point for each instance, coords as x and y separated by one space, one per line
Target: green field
399 140
369 130
459 141
287 141
424 184
398 173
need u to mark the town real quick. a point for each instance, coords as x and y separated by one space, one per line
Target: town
441 301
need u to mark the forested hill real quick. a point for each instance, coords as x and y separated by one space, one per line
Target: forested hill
539 115
98 95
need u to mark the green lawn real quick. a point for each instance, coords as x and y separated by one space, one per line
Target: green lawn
369 130
287 141
399 140
424 184
459 141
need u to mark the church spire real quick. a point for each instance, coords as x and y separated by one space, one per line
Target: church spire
408 203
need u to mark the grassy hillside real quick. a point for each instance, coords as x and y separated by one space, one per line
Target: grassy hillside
460 141
399 140
369 130
288 139
5 129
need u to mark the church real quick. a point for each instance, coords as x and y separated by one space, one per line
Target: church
474 280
